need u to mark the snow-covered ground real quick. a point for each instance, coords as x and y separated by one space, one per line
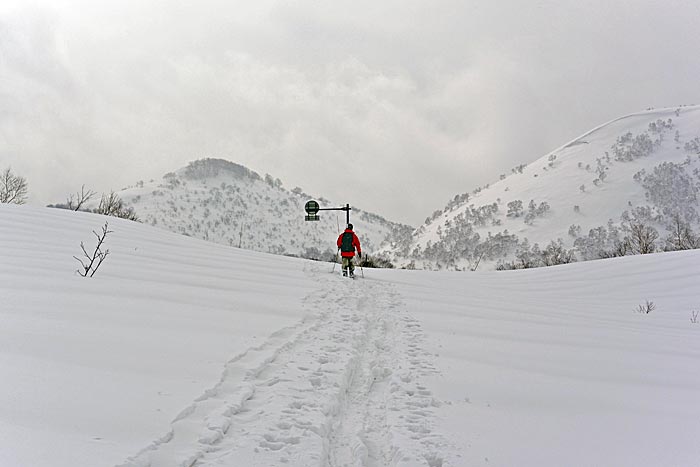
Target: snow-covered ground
180 352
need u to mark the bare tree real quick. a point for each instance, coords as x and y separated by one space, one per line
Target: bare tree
113 205
619 248
93 261
75 203
681 236
110 205
555 254
13 189
641 238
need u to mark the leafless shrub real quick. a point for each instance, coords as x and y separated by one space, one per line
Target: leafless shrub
619 248
694 316
92 262
113 205
74 203
641 239
13 188
646 308
555 254
681 235
515 208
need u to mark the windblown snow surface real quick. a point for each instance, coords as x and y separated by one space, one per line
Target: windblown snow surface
180 352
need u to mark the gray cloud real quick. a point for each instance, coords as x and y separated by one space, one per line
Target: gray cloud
393 106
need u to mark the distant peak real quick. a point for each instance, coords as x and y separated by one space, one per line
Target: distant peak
210 168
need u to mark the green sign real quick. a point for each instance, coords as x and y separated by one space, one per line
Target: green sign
311 207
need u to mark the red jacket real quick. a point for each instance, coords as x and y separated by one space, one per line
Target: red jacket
355 243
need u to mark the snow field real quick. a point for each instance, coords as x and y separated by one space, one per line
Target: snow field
96 367
311 377
181 352
554 367
340 388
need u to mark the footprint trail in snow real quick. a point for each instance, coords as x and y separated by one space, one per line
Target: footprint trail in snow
343 387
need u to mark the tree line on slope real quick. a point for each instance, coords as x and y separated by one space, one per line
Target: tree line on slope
671 191
14 189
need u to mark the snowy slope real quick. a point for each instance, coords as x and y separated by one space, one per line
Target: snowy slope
223 202
181 352
569 183
93 368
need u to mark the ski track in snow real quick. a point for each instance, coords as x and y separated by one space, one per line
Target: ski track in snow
342 387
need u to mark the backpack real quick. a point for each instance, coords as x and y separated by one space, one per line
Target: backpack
346 246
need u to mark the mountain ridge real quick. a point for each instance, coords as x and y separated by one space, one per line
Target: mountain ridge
577 202
603 178
225 202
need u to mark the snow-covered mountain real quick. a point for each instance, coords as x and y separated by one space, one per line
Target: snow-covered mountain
224 202
586 197
181 352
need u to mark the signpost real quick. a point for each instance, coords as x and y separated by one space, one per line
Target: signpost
312 207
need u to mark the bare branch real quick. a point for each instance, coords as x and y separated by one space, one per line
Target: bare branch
646 308
75 203
13 189
113 205
93 262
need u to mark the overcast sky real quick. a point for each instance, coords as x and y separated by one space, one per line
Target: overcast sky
394 106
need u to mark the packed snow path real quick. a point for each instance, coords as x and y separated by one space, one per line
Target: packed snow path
314 369
342 387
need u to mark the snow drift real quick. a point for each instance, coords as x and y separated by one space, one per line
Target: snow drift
184 352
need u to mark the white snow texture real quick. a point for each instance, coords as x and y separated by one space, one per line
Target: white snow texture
180 352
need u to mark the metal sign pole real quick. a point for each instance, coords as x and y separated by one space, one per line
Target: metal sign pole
312 207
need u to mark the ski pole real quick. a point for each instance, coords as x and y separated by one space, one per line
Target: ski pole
335 261
337 252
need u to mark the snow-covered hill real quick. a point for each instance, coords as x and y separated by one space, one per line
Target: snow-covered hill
223 202
180 352
642 168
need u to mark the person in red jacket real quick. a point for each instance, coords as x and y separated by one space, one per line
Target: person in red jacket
347 244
